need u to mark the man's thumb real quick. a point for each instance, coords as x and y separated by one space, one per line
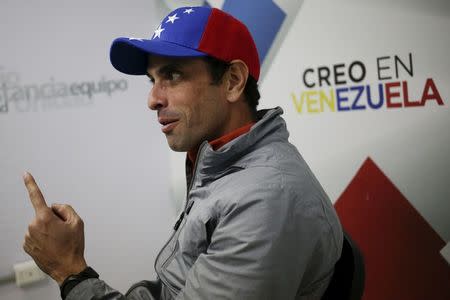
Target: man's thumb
64 212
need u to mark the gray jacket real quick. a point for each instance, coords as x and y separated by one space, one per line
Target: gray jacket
256 225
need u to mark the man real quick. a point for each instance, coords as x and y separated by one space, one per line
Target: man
256 223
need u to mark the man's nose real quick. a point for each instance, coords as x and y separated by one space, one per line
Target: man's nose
157 97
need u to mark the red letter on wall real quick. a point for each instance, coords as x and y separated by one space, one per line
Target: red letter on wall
391 94
429 85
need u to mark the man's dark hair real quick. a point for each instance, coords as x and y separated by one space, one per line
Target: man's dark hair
217 69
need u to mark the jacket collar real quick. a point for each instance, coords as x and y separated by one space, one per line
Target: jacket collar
269 127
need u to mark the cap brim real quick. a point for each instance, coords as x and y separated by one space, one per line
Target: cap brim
130 56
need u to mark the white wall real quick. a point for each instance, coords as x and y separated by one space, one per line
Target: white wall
411 145
105 155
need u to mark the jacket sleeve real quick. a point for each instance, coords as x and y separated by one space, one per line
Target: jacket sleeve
260 249
93 289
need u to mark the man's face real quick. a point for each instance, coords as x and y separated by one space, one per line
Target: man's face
190 108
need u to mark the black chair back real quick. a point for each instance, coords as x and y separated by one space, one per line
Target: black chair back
347 282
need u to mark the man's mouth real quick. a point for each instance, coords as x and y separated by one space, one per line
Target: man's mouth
167 124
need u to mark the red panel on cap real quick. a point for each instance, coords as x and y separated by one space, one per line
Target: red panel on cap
226 38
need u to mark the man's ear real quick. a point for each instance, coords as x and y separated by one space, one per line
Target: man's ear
236 80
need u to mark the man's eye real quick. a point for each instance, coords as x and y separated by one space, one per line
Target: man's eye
174 76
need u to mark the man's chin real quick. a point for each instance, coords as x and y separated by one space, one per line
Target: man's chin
177 147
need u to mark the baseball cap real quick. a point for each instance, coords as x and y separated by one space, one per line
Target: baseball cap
189 32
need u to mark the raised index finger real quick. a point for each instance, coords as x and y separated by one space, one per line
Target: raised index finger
36 197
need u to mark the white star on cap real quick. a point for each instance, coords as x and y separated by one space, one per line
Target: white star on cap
158 31
172 18
188 11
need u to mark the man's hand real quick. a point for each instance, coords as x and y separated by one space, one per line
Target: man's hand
55 238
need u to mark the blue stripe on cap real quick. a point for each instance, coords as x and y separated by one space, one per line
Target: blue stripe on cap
183 26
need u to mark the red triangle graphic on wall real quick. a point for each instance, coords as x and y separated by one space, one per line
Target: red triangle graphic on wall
400 248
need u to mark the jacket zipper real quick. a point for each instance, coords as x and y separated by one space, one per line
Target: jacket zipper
199 154
187 208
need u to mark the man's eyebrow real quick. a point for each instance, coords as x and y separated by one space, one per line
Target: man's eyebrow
165 69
